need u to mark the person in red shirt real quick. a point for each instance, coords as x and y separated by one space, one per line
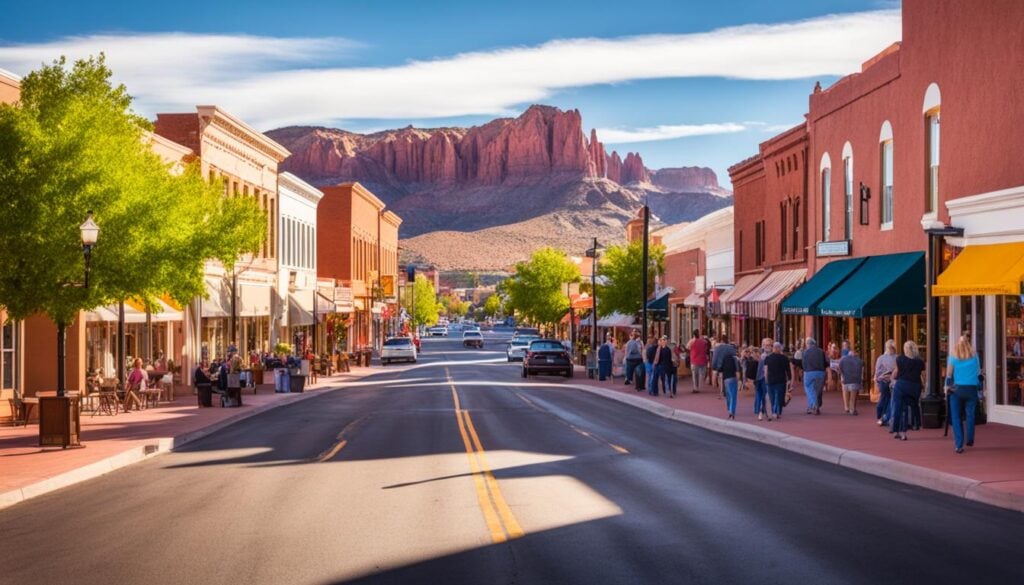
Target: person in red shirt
698 349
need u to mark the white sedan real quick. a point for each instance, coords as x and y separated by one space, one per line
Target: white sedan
517 349
398 349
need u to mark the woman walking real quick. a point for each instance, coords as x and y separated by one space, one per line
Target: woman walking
730 370
908 377
884 367
962 386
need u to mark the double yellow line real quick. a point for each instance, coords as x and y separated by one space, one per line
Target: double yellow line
501 523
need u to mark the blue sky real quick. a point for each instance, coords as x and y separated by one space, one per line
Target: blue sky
683 83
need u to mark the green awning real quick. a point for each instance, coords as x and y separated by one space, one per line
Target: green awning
892 284
659 304
804 300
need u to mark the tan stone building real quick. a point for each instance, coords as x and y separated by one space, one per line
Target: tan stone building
11 355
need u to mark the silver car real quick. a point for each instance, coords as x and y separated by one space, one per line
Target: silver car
517 349
398 349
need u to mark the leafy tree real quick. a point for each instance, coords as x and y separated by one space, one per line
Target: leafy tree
492 306
71 145
457 307
426 310
537 290
622 272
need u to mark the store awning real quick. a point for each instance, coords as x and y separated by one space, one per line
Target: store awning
218 298
300 308
324 304
892 284
695 299
582 302
659 304
729 298
763 300
613 320
253 300
165 312
109 314
984 269
805 299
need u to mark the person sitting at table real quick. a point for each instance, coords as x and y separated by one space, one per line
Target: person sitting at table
137 380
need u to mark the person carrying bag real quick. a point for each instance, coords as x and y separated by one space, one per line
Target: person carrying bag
963 387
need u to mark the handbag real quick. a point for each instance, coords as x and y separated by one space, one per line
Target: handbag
789 395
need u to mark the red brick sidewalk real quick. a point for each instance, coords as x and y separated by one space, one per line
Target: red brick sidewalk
111 442
996 461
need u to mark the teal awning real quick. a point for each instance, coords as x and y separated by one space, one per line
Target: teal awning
804 300
659 304
882 286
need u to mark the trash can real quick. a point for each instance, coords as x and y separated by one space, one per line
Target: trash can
281 380
296 381
205 394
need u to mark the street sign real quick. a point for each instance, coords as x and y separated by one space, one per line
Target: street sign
838 248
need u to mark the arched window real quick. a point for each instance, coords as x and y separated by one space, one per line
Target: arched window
848 190
826 197
885 160
932 100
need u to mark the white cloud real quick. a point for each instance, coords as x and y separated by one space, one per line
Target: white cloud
274 81
665 132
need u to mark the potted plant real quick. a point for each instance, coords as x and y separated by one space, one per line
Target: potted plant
282 348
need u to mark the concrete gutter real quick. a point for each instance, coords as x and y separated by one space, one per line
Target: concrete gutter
891 469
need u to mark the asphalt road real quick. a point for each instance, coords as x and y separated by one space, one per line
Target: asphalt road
456 470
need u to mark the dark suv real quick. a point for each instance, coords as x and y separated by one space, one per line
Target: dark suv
547 356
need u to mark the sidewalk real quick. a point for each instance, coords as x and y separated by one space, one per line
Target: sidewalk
112 442
991 472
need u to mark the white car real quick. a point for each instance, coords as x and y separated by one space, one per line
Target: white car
438 331
398 349
516 350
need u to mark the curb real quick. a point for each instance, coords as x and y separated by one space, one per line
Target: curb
890 469
155 446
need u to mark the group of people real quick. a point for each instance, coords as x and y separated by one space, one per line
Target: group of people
771 374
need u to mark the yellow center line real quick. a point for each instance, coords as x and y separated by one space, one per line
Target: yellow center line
334 451
492 503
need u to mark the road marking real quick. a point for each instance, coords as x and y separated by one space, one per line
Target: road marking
587 434
501 523
341 440
334 450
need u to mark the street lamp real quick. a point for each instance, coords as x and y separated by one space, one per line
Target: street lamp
593 253
90 233
933 405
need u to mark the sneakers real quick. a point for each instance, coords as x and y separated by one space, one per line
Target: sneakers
761 416
880 423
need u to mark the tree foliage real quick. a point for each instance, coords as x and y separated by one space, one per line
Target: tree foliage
537 290
492 306
426 309
621 269
71 145
456 306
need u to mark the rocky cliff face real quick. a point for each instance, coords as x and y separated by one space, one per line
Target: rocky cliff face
507 176
687 180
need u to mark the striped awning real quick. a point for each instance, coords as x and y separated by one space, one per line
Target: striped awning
695 299
729 298
762 301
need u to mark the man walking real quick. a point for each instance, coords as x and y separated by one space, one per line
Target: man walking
634 356
650 351
776 376
761 396
698 348
851 370
604 358
721 352
662 362
814 364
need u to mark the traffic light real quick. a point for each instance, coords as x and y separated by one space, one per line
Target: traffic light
410 273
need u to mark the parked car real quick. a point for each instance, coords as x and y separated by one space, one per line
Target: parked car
472 339
525 331
516 349
438 331
398 349
547 355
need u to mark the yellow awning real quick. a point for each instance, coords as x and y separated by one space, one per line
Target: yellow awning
989 269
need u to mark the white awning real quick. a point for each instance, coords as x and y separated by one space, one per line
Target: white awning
254 300
300 308
218 298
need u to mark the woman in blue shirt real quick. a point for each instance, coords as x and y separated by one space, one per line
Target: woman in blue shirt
962 385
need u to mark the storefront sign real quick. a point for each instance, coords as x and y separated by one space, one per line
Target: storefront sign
838 248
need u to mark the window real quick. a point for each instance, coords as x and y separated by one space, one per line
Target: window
759 243
8 357
886 175
932 123
739 251
826 204
848 191
796 226
784 227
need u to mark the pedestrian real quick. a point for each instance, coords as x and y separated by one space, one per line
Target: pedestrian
673 372
698 349
661 363
604 358
813 363
761 395
729 369
722 351
851 369
845 351
136 382
884 366
777 375
634 356
650 350
750 359
908 377
963 385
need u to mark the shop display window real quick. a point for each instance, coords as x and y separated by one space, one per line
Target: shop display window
1011 362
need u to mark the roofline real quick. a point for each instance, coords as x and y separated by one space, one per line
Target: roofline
300 186
180 148
271 146
11 76
392 217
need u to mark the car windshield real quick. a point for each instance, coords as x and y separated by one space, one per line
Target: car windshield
472 334
399 341
545 346
522 342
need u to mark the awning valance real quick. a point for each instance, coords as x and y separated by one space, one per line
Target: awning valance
892 284
300 308
695 299
253 300
659 304
763 301
729 298
984 269
218 298
805 299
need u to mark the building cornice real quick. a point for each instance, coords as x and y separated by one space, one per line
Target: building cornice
243 131
1012 198
358 189
299 187
392 218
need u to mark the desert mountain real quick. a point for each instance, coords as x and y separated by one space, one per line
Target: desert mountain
486 196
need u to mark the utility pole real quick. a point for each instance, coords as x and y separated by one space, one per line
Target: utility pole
592 252
647 227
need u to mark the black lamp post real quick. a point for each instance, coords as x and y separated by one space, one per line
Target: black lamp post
933 411
90 233
592 253
572 319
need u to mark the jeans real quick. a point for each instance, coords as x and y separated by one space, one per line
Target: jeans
699 373
731 389
649 370
671 378
631 365
905 395
964 397
884 396
760 388
604 369
814 384
777 392
660 378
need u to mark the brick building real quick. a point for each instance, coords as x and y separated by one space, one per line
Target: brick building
11 354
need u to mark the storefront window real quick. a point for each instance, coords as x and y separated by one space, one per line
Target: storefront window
8 362
1011 348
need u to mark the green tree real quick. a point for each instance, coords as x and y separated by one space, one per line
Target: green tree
457 307
621 268
537 290
71 145
426 310
492 306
